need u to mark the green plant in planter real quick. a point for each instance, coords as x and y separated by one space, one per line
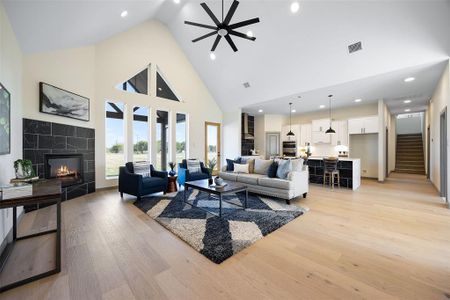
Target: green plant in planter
24 168
211 165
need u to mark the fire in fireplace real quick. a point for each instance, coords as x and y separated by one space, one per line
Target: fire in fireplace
66 167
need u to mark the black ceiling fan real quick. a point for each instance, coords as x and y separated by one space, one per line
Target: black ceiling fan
224 29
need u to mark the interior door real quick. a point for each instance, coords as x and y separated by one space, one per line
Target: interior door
273 144
212 145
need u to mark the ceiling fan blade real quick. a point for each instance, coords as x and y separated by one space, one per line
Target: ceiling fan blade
210 14
230 41
231 12
216 42
200 25
204 36
244 23
241 35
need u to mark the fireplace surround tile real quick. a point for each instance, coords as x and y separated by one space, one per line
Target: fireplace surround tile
40 138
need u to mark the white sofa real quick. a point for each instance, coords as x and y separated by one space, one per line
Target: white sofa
296 184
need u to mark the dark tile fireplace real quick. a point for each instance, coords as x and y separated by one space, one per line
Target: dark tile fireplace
63 151
68 168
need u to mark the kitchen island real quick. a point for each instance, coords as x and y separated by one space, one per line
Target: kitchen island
349 170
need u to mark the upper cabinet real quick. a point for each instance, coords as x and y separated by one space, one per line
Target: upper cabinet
363 125
295 129
305 135
318 131
341 135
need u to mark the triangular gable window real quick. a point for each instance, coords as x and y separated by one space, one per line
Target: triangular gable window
163 89
136 84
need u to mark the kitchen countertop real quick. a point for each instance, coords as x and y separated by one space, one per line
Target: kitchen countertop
340 158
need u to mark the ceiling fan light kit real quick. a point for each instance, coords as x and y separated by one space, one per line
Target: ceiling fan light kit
223 29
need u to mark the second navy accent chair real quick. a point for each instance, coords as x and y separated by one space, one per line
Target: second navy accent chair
184 175
138 185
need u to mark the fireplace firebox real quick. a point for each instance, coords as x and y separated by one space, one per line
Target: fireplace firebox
66 167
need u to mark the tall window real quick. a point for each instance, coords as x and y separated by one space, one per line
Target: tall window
181 134
140 134
162 140
115 138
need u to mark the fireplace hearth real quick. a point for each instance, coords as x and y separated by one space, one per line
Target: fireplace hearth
66 167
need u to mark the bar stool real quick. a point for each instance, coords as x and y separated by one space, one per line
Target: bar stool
331 171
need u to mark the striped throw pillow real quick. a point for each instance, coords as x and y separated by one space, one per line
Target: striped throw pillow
142 168
193 166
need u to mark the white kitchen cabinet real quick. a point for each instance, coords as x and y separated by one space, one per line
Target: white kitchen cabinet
341 135
305 135
363 125
318 131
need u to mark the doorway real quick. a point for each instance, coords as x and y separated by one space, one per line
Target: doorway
428 152
387 152
212 146
443 153
273 144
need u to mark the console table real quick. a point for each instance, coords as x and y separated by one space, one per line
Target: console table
44 192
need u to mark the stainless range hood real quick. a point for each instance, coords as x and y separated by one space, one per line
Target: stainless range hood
247 135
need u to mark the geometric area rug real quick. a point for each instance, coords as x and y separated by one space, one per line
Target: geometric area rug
214 237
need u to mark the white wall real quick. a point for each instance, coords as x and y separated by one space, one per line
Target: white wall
356 111
392 143
410 124
260 135
11 78
94 72
439 101
231 135
365 147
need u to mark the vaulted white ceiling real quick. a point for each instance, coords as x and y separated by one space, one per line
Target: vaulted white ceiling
293 53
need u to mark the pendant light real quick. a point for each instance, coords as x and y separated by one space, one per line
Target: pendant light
290 133
330 130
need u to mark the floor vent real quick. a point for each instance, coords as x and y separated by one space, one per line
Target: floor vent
354 47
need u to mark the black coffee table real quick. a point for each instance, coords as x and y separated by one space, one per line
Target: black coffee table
230 188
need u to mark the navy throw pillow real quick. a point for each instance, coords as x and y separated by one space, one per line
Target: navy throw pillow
231 162
272 172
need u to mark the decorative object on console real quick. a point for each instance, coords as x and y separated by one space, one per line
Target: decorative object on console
5 121
290 133
224 29
330 130
24 169
56 101
172 166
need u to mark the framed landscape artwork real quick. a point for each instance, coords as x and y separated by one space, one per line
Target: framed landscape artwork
56 101
5 121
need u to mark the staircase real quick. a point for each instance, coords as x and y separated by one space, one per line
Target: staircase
410 157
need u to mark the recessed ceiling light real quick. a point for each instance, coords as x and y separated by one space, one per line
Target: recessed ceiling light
407 101
409 79
358 100
407 110
294 110
322 106
250 33
176 1
260 111
212 55
295 6
124 14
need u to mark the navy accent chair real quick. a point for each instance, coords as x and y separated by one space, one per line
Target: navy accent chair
184 175
136 185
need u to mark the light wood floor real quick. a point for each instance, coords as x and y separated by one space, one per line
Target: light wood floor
384 241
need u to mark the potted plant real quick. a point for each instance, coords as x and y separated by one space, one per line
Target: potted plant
23 168
211 165
172 167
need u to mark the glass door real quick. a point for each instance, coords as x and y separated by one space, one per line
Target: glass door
212 146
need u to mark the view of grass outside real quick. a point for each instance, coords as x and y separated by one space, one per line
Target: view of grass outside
140 134
212 137
115 138
181 133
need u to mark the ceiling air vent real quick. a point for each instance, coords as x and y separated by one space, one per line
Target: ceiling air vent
246 85
354 47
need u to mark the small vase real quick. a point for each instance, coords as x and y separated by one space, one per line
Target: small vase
172 173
